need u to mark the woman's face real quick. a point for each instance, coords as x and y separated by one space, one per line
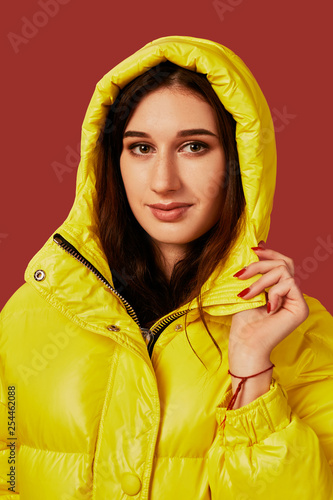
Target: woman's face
173 165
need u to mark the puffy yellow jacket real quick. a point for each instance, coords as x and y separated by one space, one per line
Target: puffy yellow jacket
96 417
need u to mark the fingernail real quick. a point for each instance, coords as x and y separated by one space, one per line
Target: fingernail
243 292
268 307
257 248
239 273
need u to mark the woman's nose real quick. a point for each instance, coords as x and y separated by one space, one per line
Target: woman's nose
165 175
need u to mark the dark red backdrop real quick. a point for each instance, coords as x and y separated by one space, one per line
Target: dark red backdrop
55 51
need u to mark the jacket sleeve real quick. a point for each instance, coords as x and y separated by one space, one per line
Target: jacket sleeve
8 450
281 444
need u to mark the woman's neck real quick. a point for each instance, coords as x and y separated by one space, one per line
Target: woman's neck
168 255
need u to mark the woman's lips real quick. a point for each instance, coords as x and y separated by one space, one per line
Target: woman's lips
169 212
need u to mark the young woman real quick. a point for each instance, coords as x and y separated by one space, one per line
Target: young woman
158 349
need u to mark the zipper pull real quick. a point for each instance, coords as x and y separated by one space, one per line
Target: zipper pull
147 335
57 238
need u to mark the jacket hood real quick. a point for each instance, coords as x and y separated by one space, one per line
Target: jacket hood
241 95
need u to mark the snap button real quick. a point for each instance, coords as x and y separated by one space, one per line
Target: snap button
178 328
130 483
113 328
39 275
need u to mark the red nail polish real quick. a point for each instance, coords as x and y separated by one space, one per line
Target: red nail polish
257 248
239 273
243 292
268 307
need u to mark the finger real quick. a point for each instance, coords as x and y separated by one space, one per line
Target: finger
288 296
275 304
286 288
267 253
268 279
269 305
260 267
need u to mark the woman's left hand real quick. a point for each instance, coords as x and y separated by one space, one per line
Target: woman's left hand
255 332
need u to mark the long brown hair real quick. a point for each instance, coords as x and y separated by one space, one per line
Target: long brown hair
128 248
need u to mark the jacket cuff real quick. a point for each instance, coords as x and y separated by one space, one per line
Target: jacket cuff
254 422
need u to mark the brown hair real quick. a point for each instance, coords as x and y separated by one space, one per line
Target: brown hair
127 246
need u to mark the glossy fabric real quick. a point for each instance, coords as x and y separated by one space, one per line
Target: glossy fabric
96 417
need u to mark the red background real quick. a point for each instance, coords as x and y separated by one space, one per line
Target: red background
48 82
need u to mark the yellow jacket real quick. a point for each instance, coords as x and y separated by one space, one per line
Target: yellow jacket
95 416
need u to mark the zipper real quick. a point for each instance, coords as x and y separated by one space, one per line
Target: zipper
60 240
158 329
149 335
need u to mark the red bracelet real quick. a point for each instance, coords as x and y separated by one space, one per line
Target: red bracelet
234 397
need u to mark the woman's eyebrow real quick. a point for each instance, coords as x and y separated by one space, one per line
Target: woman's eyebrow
181 133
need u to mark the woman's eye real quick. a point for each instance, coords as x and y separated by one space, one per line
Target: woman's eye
140 149
195 147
